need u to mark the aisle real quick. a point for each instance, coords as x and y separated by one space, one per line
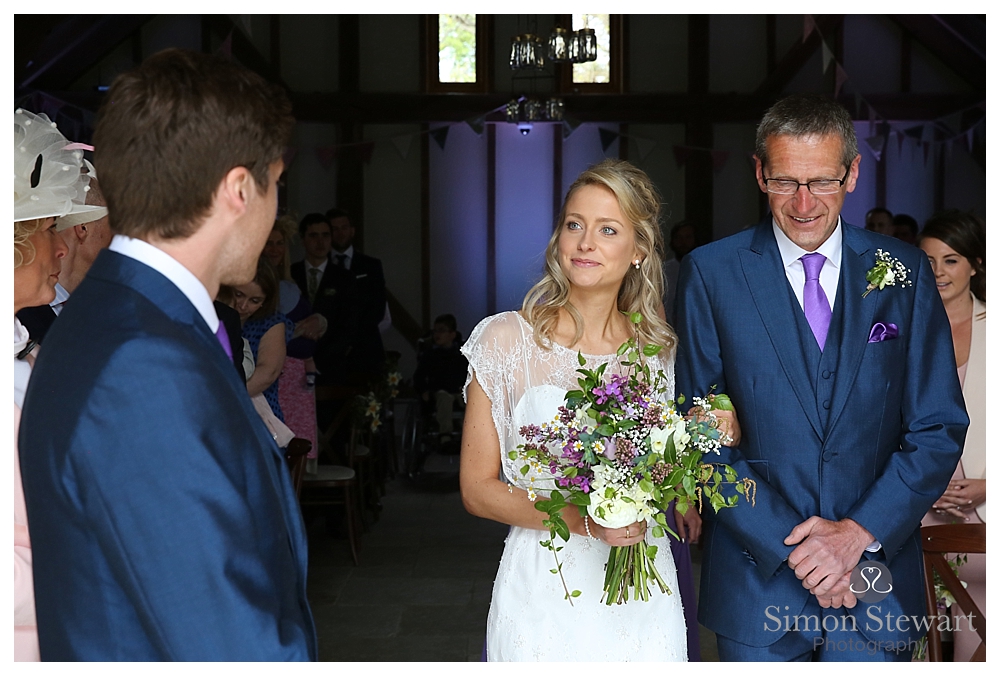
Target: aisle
421 591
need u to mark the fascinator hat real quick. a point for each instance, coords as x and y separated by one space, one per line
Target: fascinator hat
48 181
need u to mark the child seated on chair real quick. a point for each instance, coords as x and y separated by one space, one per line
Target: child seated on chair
440 375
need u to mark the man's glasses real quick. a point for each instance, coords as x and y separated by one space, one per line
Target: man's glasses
823 186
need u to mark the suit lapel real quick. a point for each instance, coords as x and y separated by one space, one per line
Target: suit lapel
858 316
765 277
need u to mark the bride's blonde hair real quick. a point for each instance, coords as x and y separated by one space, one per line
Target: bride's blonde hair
641 290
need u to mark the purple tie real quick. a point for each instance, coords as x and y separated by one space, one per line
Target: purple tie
814 301
223 337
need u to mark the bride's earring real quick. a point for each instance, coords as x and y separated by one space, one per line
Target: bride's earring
636 263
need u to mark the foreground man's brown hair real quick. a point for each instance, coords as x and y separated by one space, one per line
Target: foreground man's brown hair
169 131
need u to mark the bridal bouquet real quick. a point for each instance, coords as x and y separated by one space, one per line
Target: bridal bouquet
621 452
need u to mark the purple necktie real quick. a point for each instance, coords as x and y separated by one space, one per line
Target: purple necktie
814 301
223 337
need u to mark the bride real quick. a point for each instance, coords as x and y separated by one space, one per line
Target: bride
603 260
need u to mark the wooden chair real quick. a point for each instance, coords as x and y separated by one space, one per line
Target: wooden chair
954 539
361 457
295 456
322 488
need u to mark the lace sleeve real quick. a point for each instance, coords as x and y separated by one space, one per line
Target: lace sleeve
493 350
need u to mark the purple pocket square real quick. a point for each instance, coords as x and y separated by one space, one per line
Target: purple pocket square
881 332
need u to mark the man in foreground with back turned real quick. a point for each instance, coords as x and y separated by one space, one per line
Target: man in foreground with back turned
163 521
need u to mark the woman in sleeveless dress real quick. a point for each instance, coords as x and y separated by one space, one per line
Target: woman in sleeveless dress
602 262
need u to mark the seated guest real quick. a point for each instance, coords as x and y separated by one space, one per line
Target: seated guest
906 228
440 375
85 234
879 220
955 244
266 330
58 189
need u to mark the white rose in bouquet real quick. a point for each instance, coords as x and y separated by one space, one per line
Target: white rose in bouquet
608 504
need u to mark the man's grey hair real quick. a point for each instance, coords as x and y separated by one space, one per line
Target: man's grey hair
802 115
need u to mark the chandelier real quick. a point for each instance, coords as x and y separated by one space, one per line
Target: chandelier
528 52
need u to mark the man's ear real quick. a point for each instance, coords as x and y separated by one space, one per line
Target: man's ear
852 174
235 190
759 171
80 233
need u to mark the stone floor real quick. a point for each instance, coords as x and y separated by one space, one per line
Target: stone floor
421 591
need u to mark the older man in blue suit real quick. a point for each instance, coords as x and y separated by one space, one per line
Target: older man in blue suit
852 415
163 522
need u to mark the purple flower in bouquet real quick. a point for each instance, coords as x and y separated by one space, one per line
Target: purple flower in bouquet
610 448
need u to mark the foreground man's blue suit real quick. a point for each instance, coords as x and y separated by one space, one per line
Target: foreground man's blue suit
163 521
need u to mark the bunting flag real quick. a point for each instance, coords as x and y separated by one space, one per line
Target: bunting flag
365 150
808 26
915 132
288 156
477 124
607 138
403 144
569 125
719 159
827 57
645 146
440 135
226 48
877 145
841 78
927 135
900 137
681 155
326 155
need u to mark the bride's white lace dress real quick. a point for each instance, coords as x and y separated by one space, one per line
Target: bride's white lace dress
529 619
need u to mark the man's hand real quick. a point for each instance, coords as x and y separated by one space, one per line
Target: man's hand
827 550
839 595
688 525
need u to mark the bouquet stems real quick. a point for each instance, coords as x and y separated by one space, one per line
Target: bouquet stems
630 570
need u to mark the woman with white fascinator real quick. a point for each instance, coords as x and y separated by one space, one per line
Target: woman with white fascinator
48 186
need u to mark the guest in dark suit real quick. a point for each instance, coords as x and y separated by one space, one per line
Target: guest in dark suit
348 288
852 413
163 519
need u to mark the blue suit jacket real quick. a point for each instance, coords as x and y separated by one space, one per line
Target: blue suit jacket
874 438
163 522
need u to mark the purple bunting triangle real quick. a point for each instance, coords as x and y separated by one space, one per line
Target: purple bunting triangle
808 26
877 145
440 136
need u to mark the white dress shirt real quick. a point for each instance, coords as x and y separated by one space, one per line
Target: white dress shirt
829 276
169 267
62 295
348 252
